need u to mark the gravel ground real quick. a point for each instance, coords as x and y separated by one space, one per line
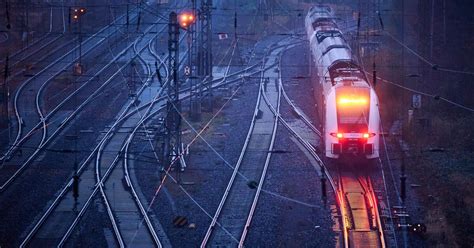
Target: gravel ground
280 222
297 83
91 232
206 176
55 167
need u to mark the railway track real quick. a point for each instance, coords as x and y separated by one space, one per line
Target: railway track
111 169
116 214
45 76
54 123
56 211
358 204
359 210
88 177
53 213
31 49
86 170
232 218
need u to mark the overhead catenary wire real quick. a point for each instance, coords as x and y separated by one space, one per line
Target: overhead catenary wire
436 97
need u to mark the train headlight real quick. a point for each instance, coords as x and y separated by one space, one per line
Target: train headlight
337 135
368 135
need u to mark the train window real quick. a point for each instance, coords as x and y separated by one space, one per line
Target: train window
323 22
353 108
334 47
321 35
345 69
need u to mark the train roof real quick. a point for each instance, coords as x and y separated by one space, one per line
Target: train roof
347 71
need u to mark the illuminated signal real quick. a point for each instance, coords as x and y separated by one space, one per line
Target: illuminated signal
78 12
186 20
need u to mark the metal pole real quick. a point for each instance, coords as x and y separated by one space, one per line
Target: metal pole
205 65
128 15
193 69
444 21
432 28
5 98
27 22
173 117
7 10
80 43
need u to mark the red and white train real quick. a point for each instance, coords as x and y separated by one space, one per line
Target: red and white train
349 105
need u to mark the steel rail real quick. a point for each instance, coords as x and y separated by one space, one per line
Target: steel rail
337 190
300 114
16 142
276 112
265 167
235 172
122 117
58 106
312 151
45 140
62 193
100 182
35 42
143 211
107 173
84 164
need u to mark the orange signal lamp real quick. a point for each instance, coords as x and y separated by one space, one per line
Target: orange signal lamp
186 19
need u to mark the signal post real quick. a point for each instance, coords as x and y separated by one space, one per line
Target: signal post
172 139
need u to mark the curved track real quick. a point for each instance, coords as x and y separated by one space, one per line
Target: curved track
37 138
40 79
56 209
88 175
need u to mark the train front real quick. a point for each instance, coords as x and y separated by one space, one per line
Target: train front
352 121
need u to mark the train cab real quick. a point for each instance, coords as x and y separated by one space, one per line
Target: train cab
349 114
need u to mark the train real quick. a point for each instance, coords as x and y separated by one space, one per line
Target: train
347 103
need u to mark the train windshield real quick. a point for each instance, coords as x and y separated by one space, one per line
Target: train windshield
353 108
